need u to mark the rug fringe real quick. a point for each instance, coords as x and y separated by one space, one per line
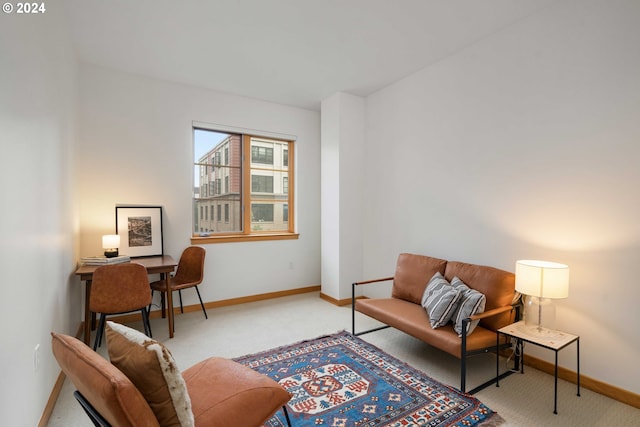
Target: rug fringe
494 421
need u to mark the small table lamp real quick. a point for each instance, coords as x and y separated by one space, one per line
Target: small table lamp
541 281
110 244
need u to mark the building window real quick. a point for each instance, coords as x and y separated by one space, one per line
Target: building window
261 154
257 188
261 184
262 212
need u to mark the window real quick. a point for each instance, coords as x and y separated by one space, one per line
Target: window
261 212
260 154
261 184
254 189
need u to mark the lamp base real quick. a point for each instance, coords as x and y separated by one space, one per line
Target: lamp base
111 253
539 314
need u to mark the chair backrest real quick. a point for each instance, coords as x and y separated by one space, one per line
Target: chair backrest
119 288
108 390
191 266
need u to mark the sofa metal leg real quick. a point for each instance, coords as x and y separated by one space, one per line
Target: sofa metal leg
463 357
353 308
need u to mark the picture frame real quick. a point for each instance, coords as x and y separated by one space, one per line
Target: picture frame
140 230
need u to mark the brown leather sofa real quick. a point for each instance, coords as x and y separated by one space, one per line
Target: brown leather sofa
403 310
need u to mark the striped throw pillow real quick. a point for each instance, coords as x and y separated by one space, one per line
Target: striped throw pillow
471 302
440 300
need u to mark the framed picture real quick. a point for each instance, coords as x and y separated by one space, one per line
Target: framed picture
140 230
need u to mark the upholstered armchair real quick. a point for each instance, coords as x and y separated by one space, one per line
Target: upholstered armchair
142 386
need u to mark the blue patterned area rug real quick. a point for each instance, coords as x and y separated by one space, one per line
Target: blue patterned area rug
342 381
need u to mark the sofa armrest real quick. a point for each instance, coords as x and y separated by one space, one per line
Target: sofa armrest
353 303
364 282
490 313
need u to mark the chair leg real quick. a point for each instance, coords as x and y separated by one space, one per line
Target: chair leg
151 303
180 296
100 331
94 416
164 314
286 415
145 322
201 304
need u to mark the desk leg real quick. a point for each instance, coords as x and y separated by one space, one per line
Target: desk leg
87 313
169 304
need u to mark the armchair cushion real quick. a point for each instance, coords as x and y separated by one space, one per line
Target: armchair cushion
226 393
151 367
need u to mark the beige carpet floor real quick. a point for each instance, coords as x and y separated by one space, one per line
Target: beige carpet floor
522 400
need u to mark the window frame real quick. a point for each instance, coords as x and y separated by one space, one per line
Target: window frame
247 234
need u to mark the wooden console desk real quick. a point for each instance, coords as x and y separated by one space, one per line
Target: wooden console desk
162 265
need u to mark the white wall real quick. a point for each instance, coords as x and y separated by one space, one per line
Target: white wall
37 249
343 142
136 148
524 145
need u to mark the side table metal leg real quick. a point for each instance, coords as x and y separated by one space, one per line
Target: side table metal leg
497 359
578 363
555 391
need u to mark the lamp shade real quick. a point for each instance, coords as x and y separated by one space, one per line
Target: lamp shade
542 279
110 241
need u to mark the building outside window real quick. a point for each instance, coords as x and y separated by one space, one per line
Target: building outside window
256 194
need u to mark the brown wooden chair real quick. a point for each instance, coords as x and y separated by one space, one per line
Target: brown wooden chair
189 274
117 289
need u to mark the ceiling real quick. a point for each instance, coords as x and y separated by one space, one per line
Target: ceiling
294 52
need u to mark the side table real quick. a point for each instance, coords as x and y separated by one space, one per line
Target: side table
548 338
